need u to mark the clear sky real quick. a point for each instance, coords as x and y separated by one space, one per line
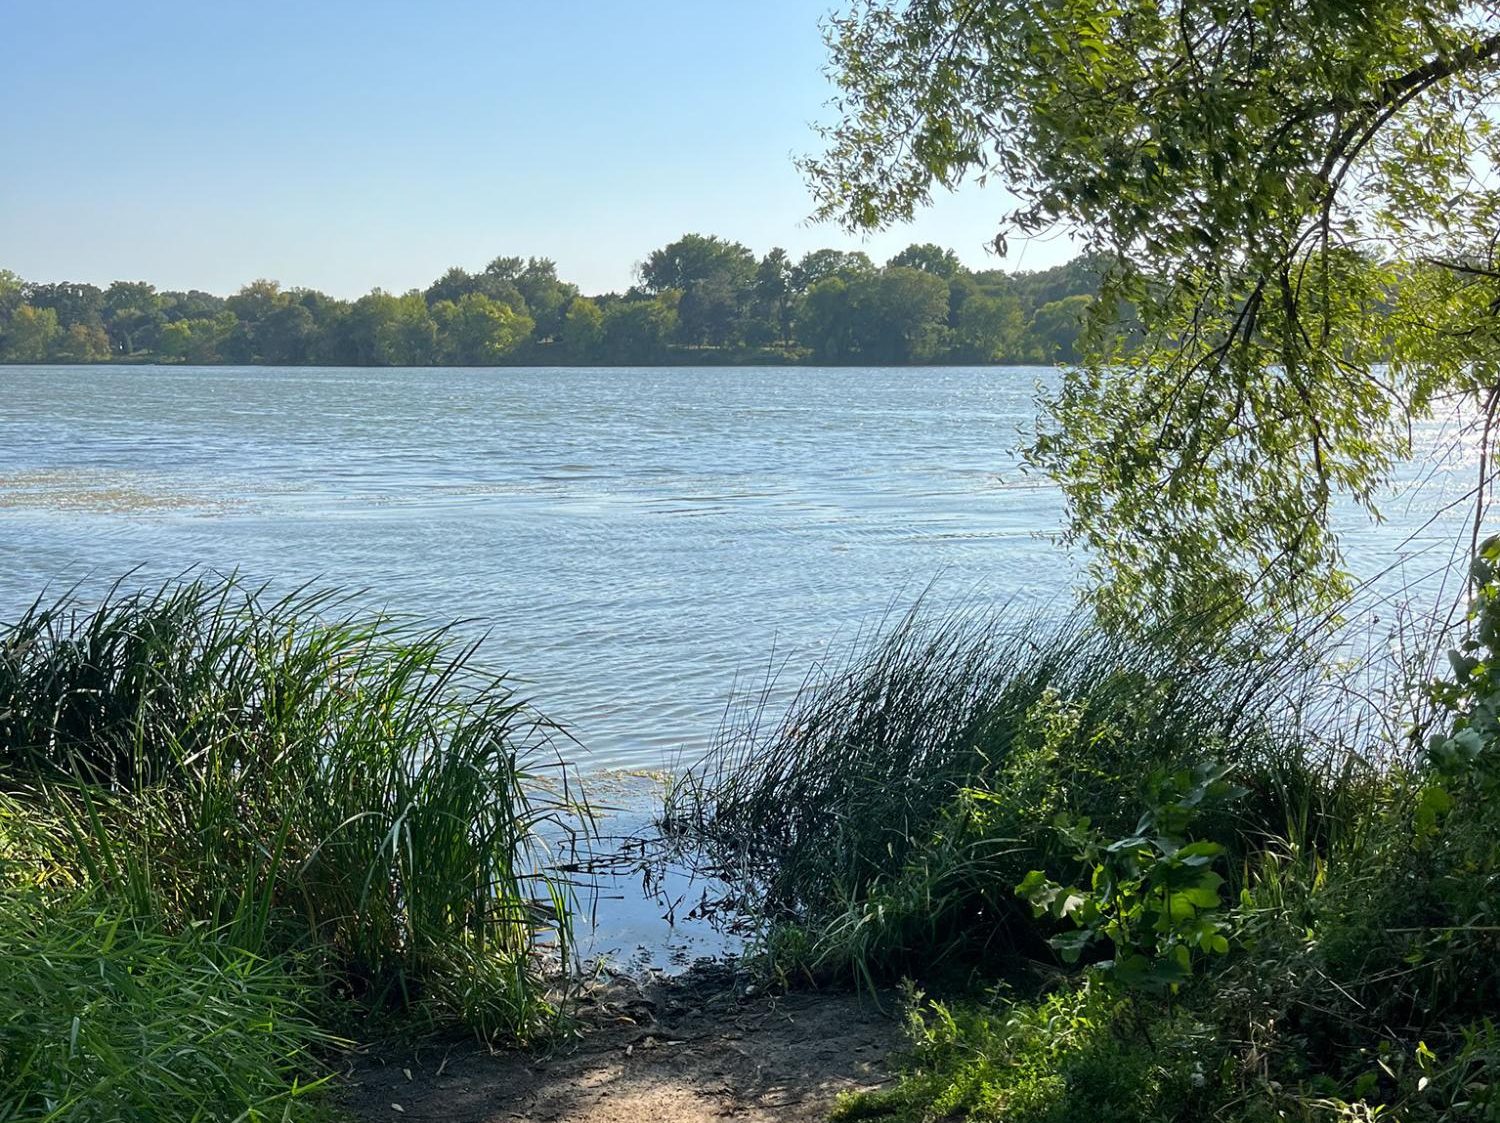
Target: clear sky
344 145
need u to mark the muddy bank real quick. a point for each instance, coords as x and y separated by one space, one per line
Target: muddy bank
667 1050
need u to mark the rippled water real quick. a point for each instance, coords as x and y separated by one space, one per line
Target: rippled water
632 539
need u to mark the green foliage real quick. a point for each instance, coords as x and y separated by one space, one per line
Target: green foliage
1299 935
774 292
31 334
639 331
82 345
403 330
819 265
929 258
703 299
12 296
989 328
1074 1055
713 278
295 776
898 315
893 807
132 312
107 1017
1291 200
478 330
694 259
1060 323
582 328
1422 905
227 820
1153 895
1407 921
1467 753
546 299
73 303
197 340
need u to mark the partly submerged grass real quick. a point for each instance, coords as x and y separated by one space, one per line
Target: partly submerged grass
889 813
276 790
885 815
296 774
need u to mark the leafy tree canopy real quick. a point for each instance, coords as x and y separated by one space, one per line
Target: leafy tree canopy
547 298
1295 197
696 258
831 306
12 295
819 264
928 257
477 330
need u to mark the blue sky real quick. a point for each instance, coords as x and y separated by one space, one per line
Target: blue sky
348 145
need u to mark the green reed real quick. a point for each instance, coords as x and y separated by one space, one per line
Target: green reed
298 777
885 813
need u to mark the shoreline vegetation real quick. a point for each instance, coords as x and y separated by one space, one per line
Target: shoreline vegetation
702 300
1123 875
238 829
1130 879
1172 859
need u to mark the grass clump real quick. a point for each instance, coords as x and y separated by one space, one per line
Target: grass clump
1069 1056
1245 898
888 814
110 1017
301 813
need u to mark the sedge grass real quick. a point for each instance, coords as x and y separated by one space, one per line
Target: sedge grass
301 779
884 815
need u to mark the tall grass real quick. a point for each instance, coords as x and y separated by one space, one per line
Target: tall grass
107 1017
290 785
898 796
889 813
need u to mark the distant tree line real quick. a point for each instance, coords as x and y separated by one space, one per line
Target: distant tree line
701 299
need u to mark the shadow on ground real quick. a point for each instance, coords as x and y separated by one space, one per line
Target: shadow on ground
669 1050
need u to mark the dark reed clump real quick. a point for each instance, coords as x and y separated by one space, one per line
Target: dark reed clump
897 797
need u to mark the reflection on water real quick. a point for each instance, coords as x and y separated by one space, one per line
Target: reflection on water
630 540
640 906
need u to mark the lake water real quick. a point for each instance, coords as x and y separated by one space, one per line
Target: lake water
633 540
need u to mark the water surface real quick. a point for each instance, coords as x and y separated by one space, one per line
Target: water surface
631 539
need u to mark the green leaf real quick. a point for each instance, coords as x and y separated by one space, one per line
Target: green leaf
1433 804
1071 945
1199 853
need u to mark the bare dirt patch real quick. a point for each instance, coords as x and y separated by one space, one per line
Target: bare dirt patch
667 1051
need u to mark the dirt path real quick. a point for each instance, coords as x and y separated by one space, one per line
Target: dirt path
672 1051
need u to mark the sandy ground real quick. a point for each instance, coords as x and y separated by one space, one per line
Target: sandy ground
667 1051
